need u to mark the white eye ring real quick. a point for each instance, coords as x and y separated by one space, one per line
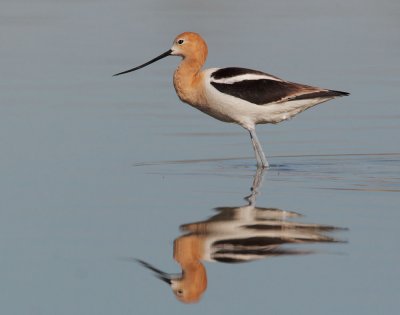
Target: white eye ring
180 41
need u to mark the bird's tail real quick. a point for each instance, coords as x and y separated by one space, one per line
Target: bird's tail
338 93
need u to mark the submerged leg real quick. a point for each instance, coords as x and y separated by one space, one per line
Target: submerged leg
260 156
257 181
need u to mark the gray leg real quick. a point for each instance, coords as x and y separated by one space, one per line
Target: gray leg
255 151
260 156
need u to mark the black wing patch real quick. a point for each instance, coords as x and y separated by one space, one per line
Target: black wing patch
265 89
258 92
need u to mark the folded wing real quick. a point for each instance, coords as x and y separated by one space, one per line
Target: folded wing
261 88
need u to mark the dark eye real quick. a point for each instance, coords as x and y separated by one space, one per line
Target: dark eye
180 41
180 292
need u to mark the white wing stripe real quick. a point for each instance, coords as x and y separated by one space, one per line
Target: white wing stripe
243 77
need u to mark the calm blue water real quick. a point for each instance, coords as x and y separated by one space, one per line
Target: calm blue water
98 171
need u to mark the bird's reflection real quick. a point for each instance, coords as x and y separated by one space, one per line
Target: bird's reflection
234 235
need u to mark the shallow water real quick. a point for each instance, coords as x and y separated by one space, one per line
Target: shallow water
99 171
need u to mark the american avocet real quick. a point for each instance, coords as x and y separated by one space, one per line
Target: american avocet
236 235
237 95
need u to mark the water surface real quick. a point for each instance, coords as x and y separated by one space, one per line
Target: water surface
99 171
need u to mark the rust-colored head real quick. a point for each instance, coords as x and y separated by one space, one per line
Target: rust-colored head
190 45
192 285
188 252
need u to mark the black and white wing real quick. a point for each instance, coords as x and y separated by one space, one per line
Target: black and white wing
261 88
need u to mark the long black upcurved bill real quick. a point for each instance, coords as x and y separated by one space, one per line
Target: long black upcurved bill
163 276
158 273
163 55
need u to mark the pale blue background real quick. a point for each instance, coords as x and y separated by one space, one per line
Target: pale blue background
83 178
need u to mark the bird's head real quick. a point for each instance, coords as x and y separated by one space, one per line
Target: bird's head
188 45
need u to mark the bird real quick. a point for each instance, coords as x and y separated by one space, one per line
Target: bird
237 95
237 234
